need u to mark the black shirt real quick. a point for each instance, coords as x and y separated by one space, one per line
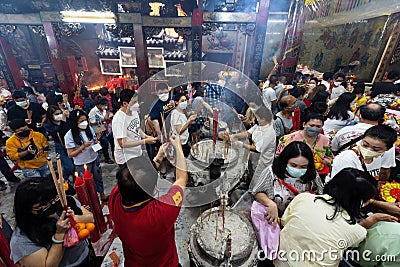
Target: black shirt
160 107
384 88
16 112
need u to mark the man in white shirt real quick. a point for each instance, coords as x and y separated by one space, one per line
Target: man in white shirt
268 94
338 89
98 118
327 78
126 129
369 115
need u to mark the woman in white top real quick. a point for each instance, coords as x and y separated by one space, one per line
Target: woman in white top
340 113
180 123
317 229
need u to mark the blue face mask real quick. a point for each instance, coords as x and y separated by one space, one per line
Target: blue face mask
356 120
294 172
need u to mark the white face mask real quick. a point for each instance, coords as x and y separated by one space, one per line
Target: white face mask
266 83
312 85
337 84
366 153
83 125
183 105
58 117
134 107
163 97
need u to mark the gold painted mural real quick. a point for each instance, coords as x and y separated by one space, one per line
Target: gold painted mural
357 44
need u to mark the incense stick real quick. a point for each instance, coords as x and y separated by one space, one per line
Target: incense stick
61 179
53 175
163 125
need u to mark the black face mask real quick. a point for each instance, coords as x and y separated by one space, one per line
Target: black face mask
54 207
24 133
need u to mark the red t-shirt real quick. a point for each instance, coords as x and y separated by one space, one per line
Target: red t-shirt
148 234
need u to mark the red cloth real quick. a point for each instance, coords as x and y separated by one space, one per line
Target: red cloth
148 233
307 102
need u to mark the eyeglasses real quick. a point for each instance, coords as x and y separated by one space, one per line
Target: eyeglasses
48 205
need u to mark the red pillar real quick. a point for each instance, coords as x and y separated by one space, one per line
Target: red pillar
141 53
197 22
292 39
9 66
59 60
257 47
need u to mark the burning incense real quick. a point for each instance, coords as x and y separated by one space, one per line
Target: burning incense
209 214
216 225
201 219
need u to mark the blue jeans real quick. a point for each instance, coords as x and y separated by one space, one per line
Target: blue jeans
67 163
95 169
38 172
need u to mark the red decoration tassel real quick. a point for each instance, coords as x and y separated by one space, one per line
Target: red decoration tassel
215 128
296 119
94 200
5 251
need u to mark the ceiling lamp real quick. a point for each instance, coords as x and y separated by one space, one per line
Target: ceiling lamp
88 17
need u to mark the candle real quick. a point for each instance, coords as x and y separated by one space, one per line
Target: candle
83 197
5 251
94 200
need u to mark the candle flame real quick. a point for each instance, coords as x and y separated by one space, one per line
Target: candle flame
76 174
85 166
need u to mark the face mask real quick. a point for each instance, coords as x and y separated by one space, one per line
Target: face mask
46 212
266 83
135 107
294 172
357 120
311 85
312 131
183 105
366 153
353 105
24 133
163 97
83 125
58 117
253 110
21 104
337 84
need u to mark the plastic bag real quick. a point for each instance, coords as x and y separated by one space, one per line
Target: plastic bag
267 236
71 238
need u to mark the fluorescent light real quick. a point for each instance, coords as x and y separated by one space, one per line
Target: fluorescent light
88 17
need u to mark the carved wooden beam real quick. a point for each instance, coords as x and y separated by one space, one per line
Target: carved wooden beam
236 17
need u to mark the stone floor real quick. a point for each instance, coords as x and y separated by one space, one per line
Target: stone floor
185 219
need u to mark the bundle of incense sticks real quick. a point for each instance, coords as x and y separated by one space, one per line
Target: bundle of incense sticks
59 184
165 137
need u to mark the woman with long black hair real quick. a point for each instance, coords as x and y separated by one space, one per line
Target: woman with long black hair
321 227
80 143
41 226
291 173
340 113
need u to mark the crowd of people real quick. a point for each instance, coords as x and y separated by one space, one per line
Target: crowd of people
318 173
